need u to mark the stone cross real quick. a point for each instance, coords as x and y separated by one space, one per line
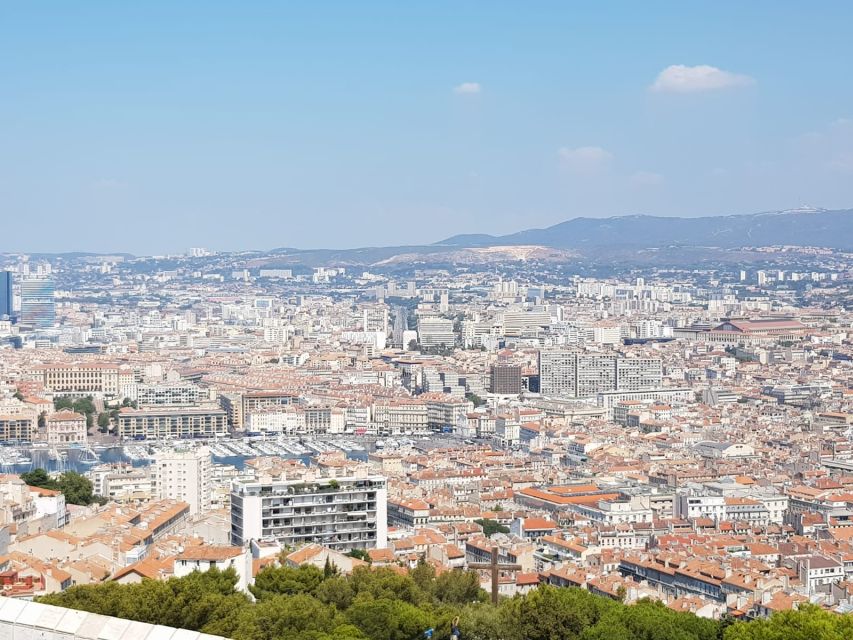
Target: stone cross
495 567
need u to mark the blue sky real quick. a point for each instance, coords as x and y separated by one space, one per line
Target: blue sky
154 126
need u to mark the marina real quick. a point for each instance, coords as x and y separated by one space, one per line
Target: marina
20 458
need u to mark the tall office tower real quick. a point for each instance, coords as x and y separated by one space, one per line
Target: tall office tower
5 295
38 308
184 475
505 379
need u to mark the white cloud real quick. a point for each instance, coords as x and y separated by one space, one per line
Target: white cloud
467 87
584 159
645 179
679 78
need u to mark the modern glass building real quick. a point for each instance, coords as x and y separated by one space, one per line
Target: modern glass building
5 294
38 308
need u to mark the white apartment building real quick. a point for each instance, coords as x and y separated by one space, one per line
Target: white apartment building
184 475
343 513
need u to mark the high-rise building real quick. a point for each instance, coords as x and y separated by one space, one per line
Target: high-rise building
184 475
38 308
635 374
505 379
343 513
375 318
436 332
558 373
400 325
581 375
5 295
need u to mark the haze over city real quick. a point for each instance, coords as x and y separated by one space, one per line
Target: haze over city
149 127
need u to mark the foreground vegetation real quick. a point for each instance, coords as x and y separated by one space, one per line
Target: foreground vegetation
76 487
380 604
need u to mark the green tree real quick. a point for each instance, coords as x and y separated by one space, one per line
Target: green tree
386 619
475 399
381 604
103 422
192 602
85 406
297 617
76 488
548 612
63 402
39 478
385 583
491 527
459 587
359 554
423 576
329 569
273 581
336 591
485 622
807 623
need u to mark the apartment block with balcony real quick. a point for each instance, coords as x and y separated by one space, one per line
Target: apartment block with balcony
341 513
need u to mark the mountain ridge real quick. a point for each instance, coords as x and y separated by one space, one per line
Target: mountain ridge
805 226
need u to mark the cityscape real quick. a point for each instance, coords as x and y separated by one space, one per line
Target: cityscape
468 421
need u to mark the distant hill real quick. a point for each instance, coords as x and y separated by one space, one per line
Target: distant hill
802 227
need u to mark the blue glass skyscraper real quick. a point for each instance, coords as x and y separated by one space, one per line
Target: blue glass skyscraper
5 295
